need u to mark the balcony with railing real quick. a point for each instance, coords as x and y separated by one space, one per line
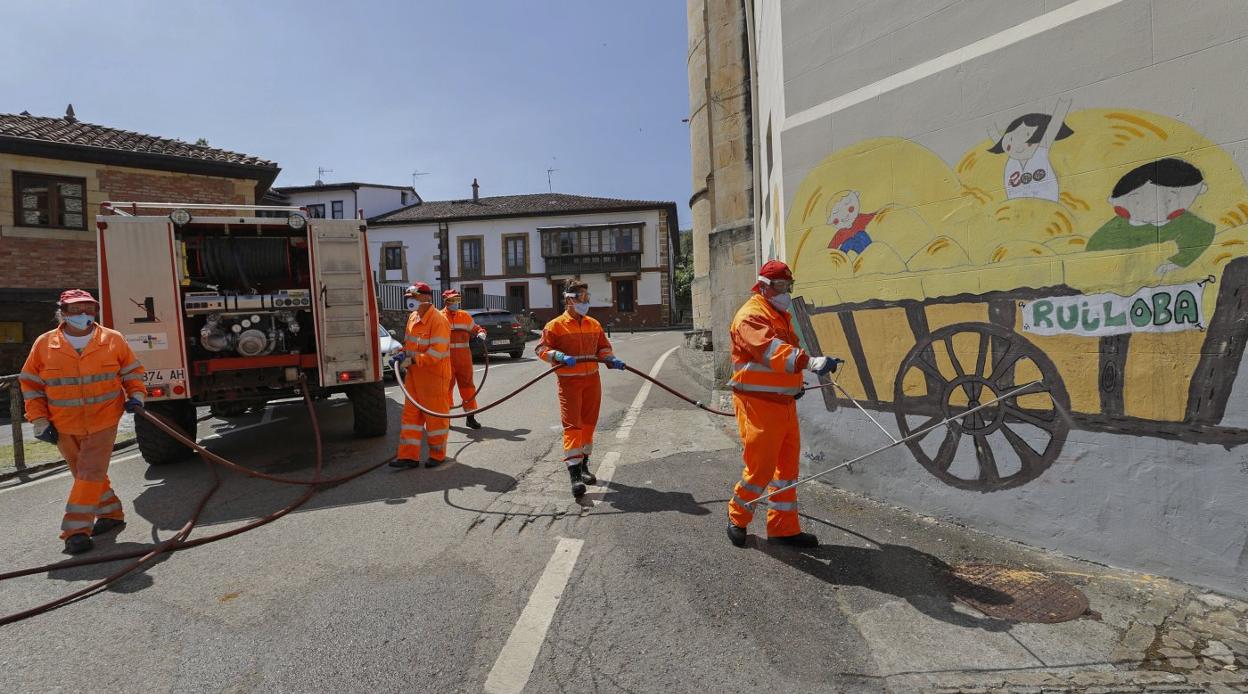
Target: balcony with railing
576 264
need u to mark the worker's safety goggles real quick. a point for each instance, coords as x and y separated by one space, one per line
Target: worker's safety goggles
782 286
580 298
80 307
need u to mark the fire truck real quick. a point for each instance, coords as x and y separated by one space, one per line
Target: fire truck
235 306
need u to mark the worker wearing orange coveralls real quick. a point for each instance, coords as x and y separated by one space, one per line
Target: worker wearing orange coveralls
577 341
77 382
426 359
767 366
463 329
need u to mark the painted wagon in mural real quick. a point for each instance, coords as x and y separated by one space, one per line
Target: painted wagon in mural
1103 254
926 360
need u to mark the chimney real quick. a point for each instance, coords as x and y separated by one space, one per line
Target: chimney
476 191
69 114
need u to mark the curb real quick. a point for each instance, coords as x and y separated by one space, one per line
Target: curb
42 467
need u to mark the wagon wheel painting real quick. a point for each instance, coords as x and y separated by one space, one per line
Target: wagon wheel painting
957 367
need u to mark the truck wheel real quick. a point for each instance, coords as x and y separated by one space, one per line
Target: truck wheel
157 447
369 409
516 354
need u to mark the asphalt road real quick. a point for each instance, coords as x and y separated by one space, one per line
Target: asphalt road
485 575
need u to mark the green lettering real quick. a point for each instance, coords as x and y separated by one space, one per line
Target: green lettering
1112 321
1161 308
1041 314
1096 320
1141 314
1068 322
1185 309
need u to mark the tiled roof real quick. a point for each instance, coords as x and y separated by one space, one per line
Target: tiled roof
74 132
534 205
349 185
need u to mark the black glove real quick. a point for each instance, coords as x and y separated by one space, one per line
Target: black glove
800 393
50 435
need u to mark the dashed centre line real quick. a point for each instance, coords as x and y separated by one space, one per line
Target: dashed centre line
514 665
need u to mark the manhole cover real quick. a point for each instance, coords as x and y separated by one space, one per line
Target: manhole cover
1018 595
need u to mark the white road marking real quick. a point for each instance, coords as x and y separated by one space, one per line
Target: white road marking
61 475
514 665
630 417
1021 32
222 432
268 415
604 473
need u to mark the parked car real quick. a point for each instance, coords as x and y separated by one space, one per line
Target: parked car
503 332
388 341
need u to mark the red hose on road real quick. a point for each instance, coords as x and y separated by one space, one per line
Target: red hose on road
181 539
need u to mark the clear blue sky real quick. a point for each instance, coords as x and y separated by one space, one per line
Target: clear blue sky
500 90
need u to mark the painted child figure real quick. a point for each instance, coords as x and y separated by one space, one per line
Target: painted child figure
1026 143
1152 206
846 216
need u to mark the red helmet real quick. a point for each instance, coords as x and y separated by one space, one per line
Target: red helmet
772 270
418 288
76 296
451 295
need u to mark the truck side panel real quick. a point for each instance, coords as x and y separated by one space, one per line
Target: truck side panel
139 284
340 284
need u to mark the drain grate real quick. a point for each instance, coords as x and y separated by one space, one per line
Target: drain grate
1017 595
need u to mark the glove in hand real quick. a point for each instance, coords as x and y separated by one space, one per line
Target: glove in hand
44 431
615 363
823 365
133 405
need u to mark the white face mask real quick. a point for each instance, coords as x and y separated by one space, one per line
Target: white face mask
582 309
80 321
781 301
412 304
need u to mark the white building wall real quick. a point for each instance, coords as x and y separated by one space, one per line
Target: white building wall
420 246
770 86
374 201
379 201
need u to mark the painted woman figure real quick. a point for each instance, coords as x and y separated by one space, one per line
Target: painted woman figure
1027 140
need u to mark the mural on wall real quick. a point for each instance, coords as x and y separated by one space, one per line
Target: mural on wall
1101 251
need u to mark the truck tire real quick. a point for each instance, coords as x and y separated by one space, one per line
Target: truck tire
516 353
369 409
157 447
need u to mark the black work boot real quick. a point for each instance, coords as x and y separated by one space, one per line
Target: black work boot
798 540
736 535
434 462
79 543
404 463
586 476
103 526
472 422
578 486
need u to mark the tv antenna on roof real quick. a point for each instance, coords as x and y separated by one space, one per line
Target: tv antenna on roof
549 185
416 174
320 175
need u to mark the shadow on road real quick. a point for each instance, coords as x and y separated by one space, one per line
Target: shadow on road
919 578
628 499
173 490
132 582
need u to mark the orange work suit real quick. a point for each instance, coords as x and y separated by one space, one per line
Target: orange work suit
580 390
427 343
767 366
463 329
82 395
